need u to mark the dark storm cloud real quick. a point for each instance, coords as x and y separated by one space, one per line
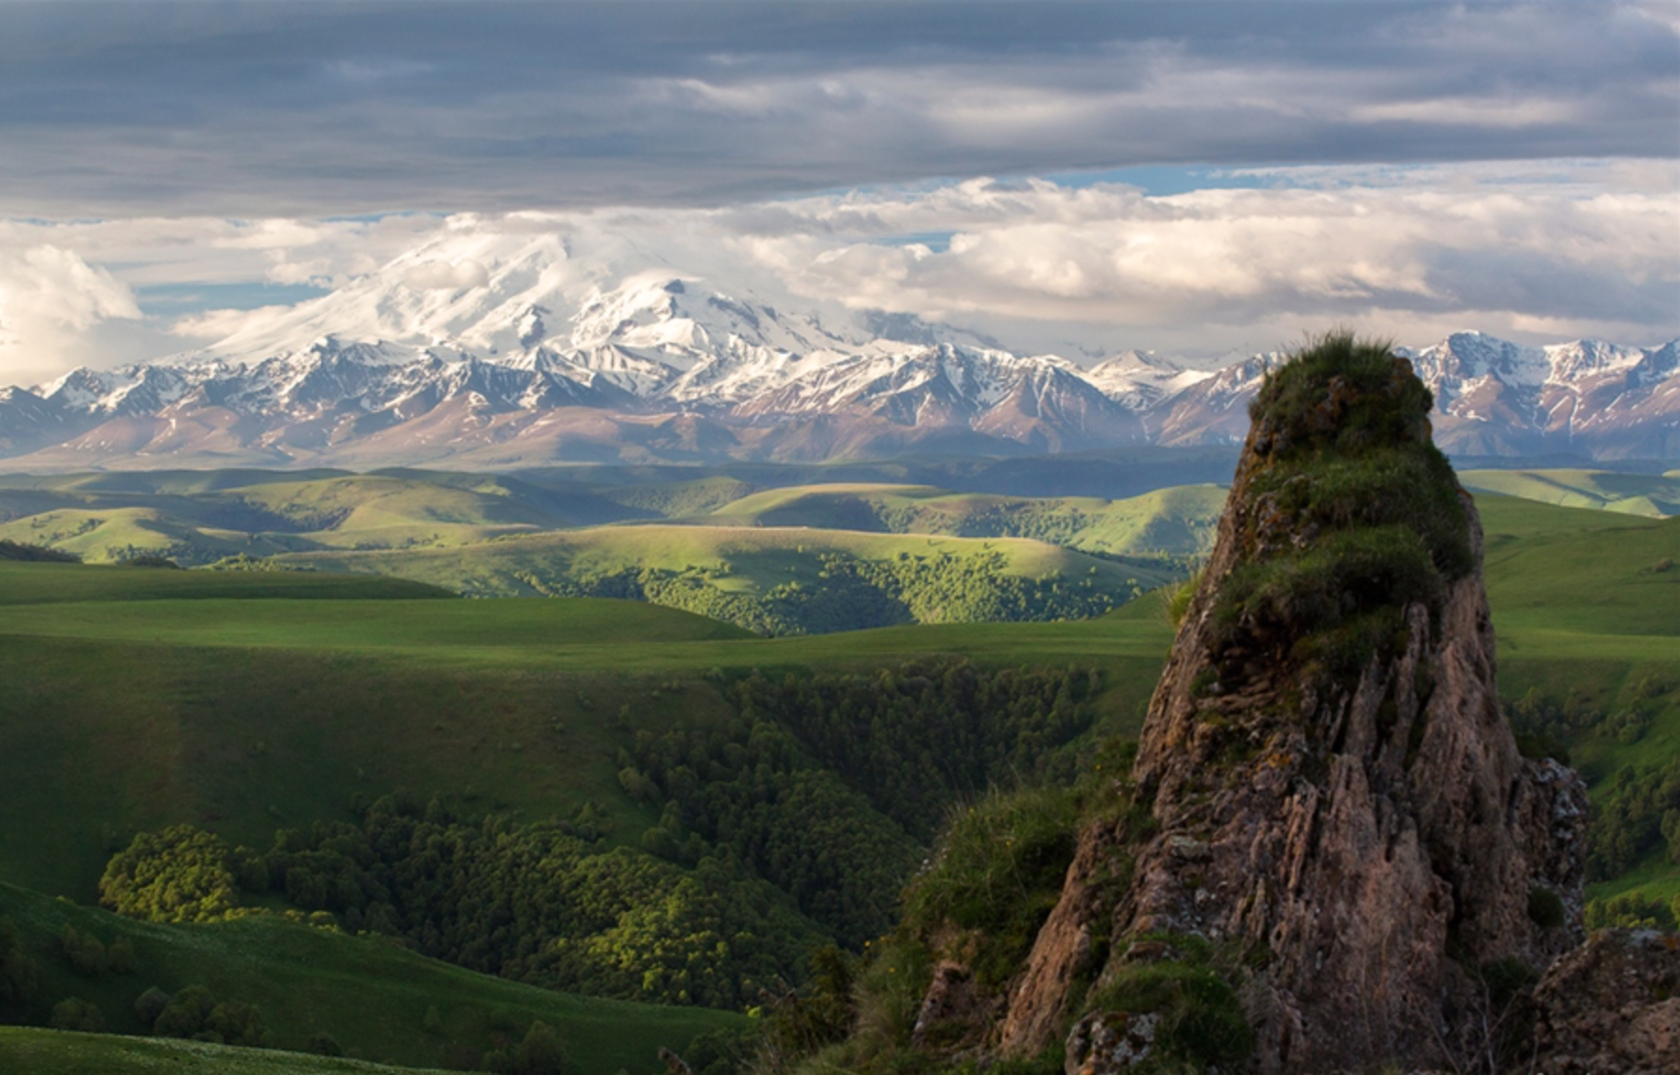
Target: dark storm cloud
305 108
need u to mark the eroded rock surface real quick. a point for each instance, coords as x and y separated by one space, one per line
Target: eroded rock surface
1611 1007
1360 834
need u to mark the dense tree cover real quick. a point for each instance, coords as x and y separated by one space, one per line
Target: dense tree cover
195 1013
917 737
528 902
1544 724
1632 910
993 877
12 550
540 1053
1636 815
178 875
850 593
74 1013
830 786
17 970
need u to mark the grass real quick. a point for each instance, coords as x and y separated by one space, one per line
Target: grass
56 1052
1177 521
135 698
1651 495
369 995
757 558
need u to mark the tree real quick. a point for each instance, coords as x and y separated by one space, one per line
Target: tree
74 1013
178 875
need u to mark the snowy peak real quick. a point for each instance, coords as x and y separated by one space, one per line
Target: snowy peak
657 363
1465 358
1139 379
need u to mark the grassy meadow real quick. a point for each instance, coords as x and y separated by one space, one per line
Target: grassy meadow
59 1052
247 701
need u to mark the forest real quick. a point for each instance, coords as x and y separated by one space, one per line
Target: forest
782 828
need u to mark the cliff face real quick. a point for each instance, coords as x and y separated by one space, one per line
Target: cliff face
1337 802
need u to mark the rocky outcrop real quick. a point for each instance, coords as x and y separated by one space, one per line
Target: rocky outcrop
1340 808
1611 1007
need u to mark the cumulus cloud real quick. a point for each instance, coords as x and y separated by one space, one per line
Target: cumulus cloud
49 301
447 276
1536 251
1439 247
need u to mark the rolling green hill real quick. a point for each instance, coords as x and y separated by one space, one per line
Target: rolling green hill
1178 521
367 994
246 702
58 1052
777 580
197 518
811 569
1652 495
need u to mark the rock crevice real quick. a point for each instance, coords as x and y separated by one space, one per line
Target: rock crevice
1341 807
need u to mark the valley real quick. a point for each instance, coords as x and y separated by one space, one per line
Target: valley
241 702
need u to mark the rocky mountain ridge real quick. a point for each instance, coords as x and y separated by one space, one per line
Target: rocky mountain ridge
655 366
1329 854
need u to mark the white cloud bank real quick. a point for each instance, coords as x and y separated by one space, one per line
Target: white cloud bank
50 302
1536 251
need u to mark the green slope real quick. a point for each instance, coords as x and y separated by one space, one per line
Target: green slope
1178 521
1651 495
147 708
1587 609
245 702
56 1052
777 580
366 993
200 517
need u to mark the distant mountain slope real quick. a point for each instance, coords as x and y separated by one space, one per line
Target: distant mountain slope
551 359
778 580
1176 521
1635 494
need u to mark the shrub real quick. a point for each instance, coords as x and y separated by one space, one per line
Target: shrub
541 1053
195 1013
120 957
1201 1018
83 950
74 1013
323 1044
17 971
178 875
998 873
186 1014
1545 908
151 1004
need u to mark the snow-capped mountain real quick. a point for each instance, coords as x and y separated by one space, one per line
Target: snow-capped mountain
1587 397
529 356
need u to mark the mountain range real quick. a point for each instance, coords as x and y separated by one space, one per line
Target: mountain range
535 360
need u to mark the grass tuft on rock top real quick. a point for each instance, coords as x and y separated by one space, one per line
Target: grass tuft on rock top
1355 513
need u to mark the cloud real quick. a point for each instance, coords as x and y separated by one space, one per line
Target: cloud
304 110
1239 257
49 301
1535 250
447 276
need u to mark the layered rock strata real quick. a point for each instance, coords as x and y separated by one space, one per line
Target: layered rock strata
1338 804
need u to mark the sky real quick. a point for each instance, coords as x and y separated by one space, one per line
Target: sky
1197 178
